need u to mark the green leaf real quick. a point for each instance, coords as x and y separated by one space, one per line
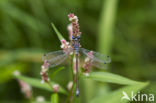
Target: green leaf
106 26
111 78
116 96
23 17
40 102
55 72
37 83
59 35
27 55
6 72
54 98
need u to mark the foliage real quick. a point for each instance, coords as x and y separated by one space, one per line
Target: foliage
124 29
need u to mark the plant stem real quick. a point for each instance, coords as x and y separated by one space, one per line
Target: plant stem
71 63
106 26
70 96
50 85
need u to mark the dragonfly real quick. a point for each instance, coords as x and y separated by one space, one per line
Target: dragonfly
57 57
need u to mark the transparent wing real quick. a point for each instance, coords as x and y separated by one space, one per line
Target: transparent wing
98 60
55 58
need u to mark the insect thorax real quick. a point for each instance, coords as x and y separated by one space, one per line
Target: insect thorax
76 42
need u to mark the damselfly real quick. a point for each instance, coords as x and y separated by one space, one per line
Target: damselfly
57 57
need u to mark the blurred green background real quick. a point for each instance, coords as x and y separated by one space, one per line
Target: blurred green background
125 29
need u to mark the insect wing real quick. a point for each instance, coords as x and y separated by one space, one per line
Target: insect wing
98 60
55 58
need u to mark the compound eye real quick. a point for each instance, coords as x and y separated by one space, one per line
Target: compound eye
73 37
79 37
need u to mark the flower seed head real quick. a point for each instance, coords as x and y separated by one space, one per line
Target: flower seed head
70 31
44 71
45 65
56 88
71 15
66 47
26 89
75 25
88 62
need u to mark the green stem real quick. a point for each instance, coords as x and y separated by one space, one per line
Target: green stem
106 26
50 85
70 96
